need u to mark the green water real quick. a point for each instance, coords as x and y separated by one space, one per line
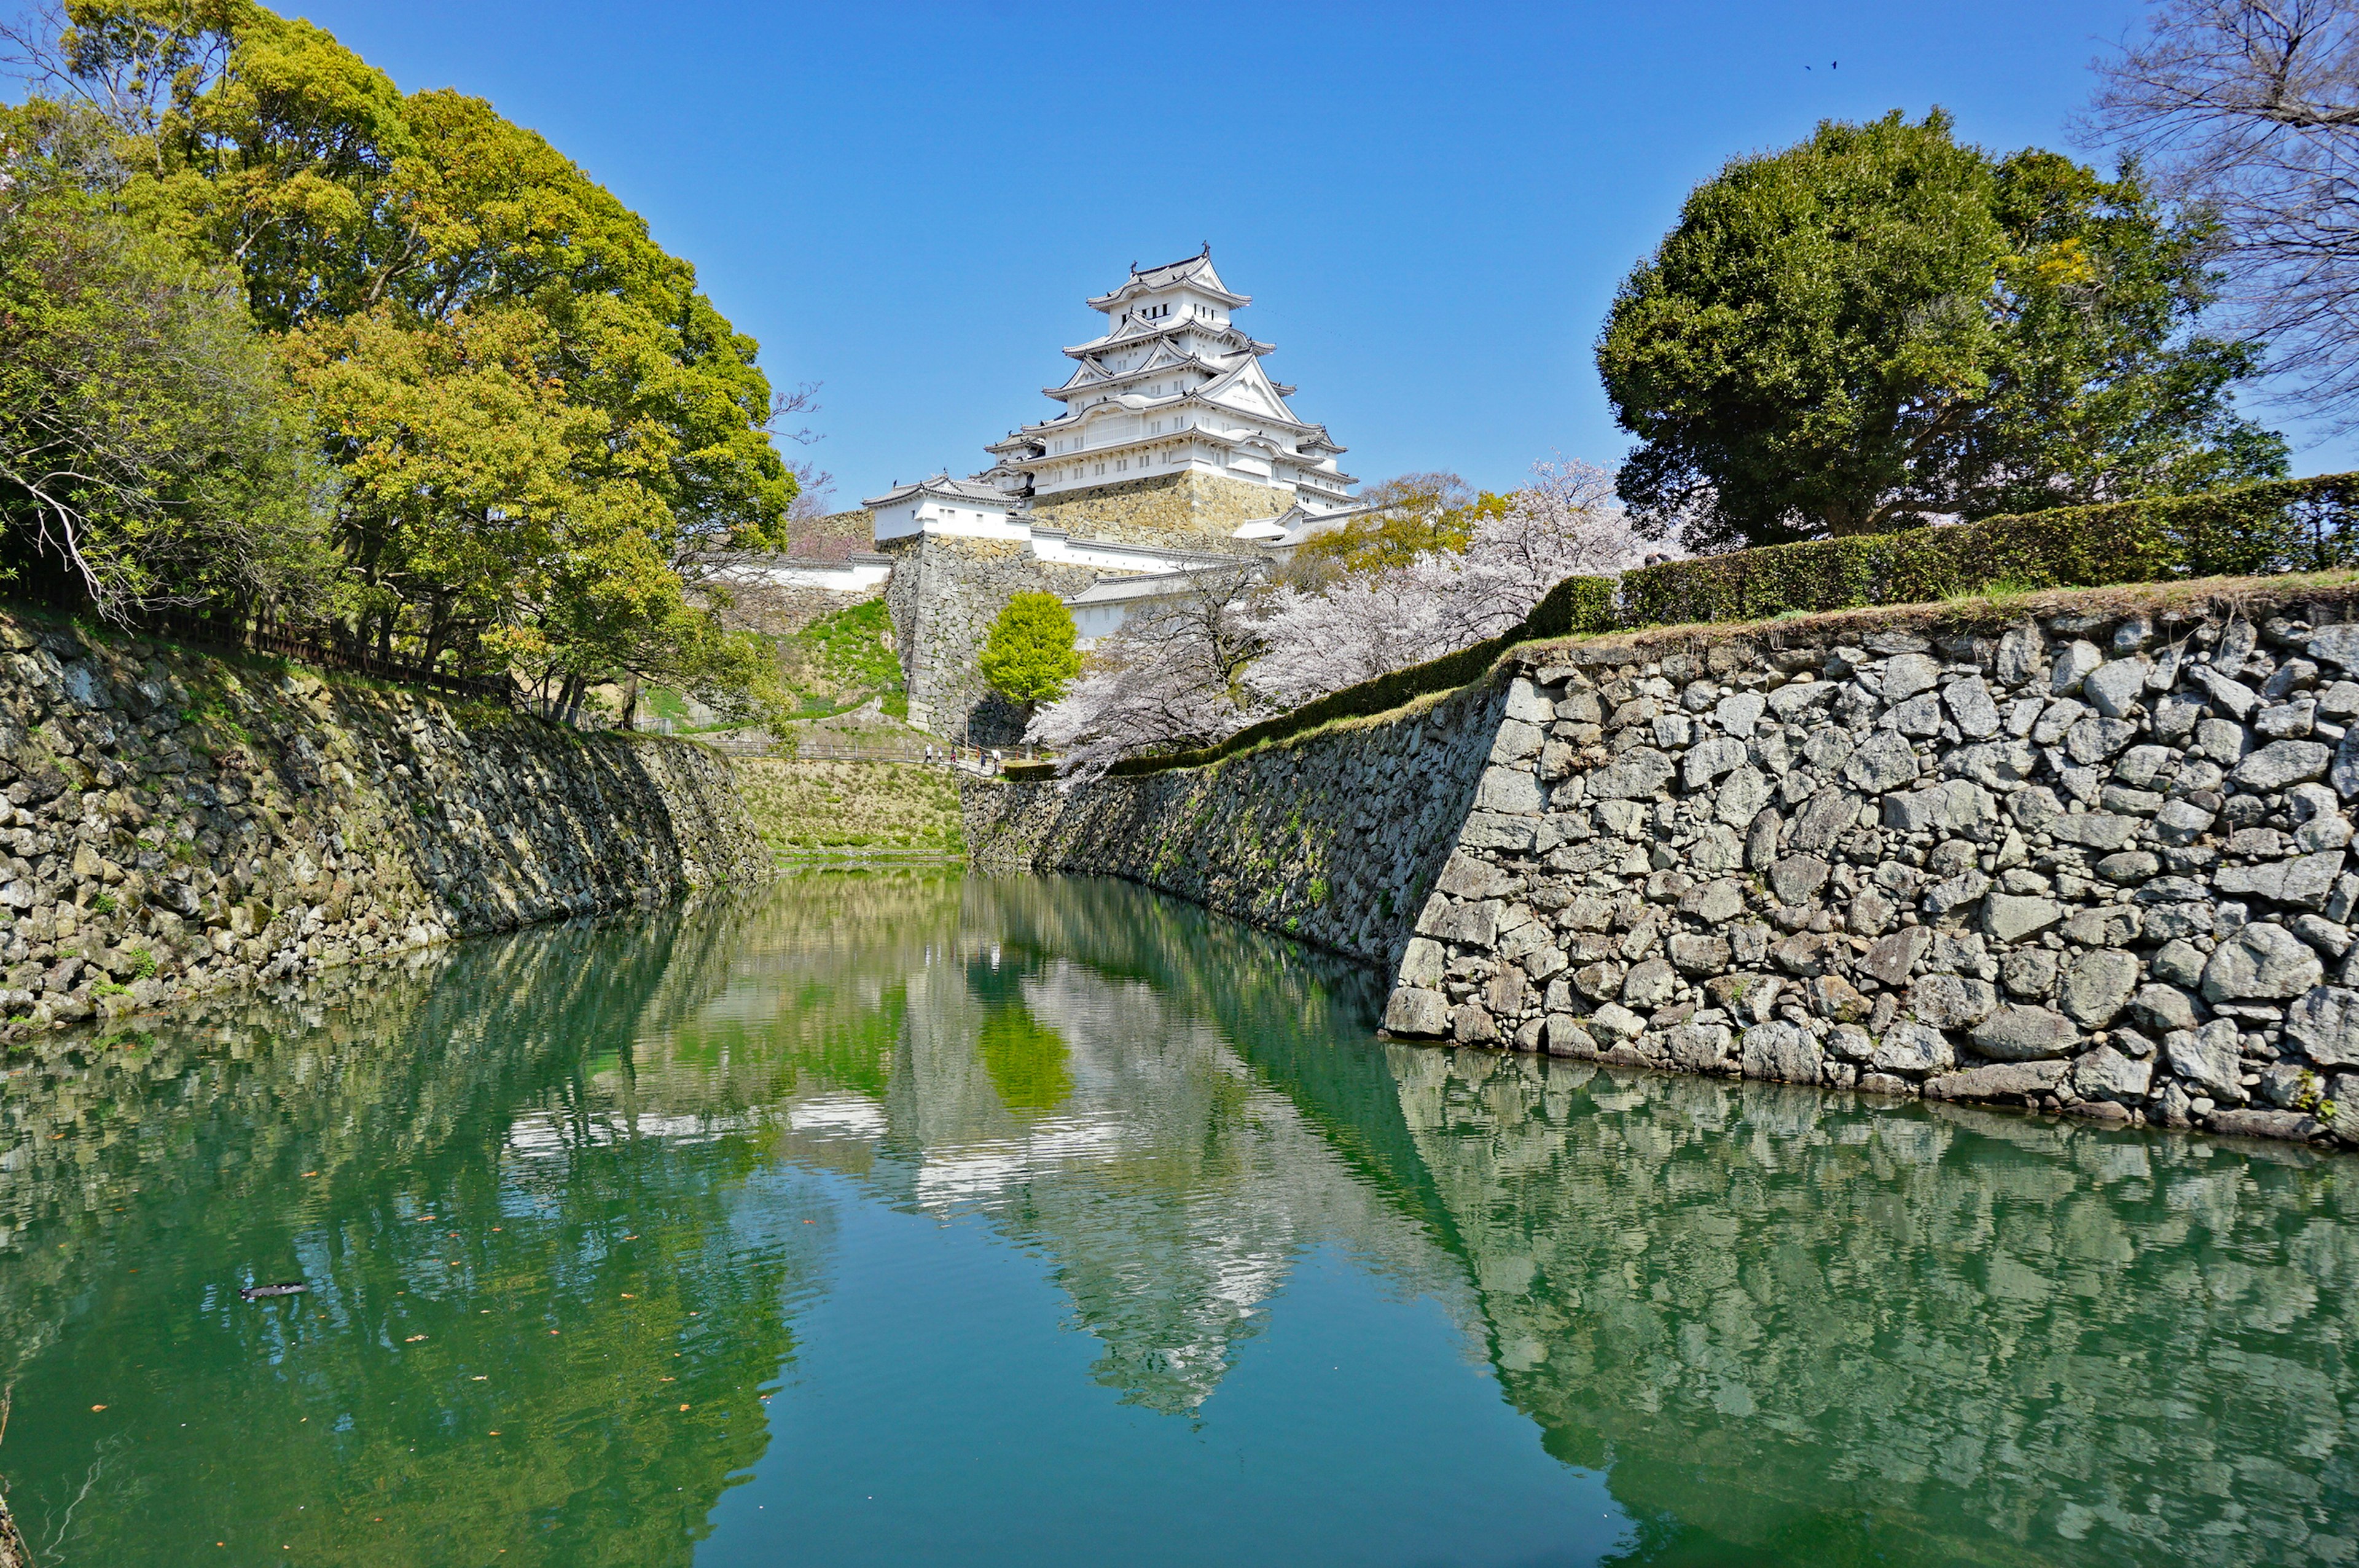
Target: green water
898 1218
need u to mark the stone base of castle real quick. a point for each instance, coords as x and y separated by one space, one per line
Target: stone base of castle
1197 511
944 594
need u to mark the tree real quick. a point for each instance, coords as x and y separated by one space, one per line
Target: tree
2250 110
1564 524
532 404
1028 658
1172 678
1880 326
1407 517
147 454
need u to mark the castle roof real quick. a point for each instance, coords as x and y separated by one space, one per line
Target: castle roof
942 487
1195 271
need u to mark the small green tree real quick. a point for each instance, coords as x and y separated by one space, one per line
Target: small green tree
1028 658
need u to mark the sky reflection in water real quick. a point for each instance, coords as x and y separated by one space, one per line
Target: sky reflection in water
898 1218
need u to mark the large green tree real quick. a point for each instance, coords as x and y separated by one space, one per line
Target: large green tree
148 455
1881 326
551 440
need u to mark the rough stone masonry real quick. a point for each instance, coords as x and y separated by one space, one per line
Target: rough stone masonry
2092 861
171 823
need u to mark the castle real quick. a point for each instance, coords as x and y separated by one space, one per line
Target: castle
1172 452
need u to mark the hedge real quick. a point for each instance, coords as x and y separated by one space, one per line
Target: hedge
2296 525
2256 530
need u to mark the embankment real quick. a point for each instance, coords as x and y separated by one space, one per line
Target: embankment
174 824
2084 853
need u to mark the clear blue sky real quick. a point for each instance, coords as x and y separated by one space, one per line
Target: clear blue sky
1431 204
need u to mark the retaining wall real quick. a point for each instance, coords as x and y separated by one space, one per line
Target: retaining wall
2091 857
171 823
1333 837
944 594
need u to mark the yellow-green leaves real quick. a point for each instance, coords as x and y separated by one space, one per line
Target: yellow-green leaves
1028 658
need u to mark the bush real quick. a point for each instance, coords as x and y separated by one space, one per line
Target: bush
2304 524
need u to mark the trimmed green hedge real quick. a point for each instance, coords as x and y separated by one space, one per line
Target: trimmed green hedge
2297 525
2256 530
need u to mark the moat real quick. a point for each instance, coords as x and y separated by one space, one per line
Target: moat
902 1217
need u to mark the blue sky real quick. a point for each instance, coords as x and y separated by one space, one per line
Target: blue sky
1431 204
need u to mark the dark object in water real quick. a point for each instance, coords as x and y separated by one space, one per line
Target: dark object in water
256 1293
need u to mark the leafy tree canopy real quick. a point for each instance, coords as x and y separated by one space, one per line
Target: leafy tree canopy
550 438
1413 514
1881 325
1028 658
146 453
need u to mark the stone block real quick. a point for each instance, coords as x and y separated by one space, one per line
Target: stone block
1884 761
2008 917
1566 1037
1890 958
1515 791
2020 1034
1416 1013
1697 956
2208 1059
1649 984
2094 830
2282 763
2325 1023
2260 960
2012 1081
2097 985
1783 1052
1636 775
1913 1048
1467 876
1970 706
2073 667
1699 1047
1952 1001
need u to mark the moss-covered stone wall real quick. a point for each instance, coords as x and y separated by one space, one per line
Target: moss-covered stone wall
174 823
2087 854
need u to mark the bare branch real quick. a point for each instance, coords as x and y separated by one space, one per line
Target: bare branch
2249 109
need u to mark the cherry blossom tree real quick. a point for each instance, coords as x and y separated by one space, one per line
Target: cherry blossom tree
1234 649
1172 679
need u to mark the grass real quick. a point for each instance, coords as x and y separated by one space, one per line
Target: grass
849 811
841 660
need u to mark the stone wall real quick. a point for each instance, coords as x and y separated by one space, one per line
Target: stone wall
2088 858
1200 511
174 824
944 594
1333 837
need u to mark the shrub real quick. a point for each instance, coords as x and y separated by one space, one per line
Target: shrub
2305 524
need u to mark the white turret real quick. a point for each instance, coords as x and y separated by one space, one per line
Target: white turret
1172 385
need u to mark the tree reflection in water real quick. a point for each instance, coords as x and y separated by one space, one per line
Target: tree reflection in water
1789 1326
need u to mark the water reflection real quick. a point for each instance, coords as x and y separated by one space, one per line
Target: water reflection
1839 1330
564 1198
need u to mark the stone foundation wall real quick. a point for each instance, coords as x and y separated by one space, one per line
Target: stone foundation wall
944 594
1200 511
1333 837
171 823
2090 858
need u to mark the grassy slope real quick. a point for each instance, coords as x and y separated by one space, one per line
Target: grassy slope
821 810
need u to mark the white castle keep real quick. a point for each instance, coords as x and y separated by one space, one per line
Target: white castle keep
1173 452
